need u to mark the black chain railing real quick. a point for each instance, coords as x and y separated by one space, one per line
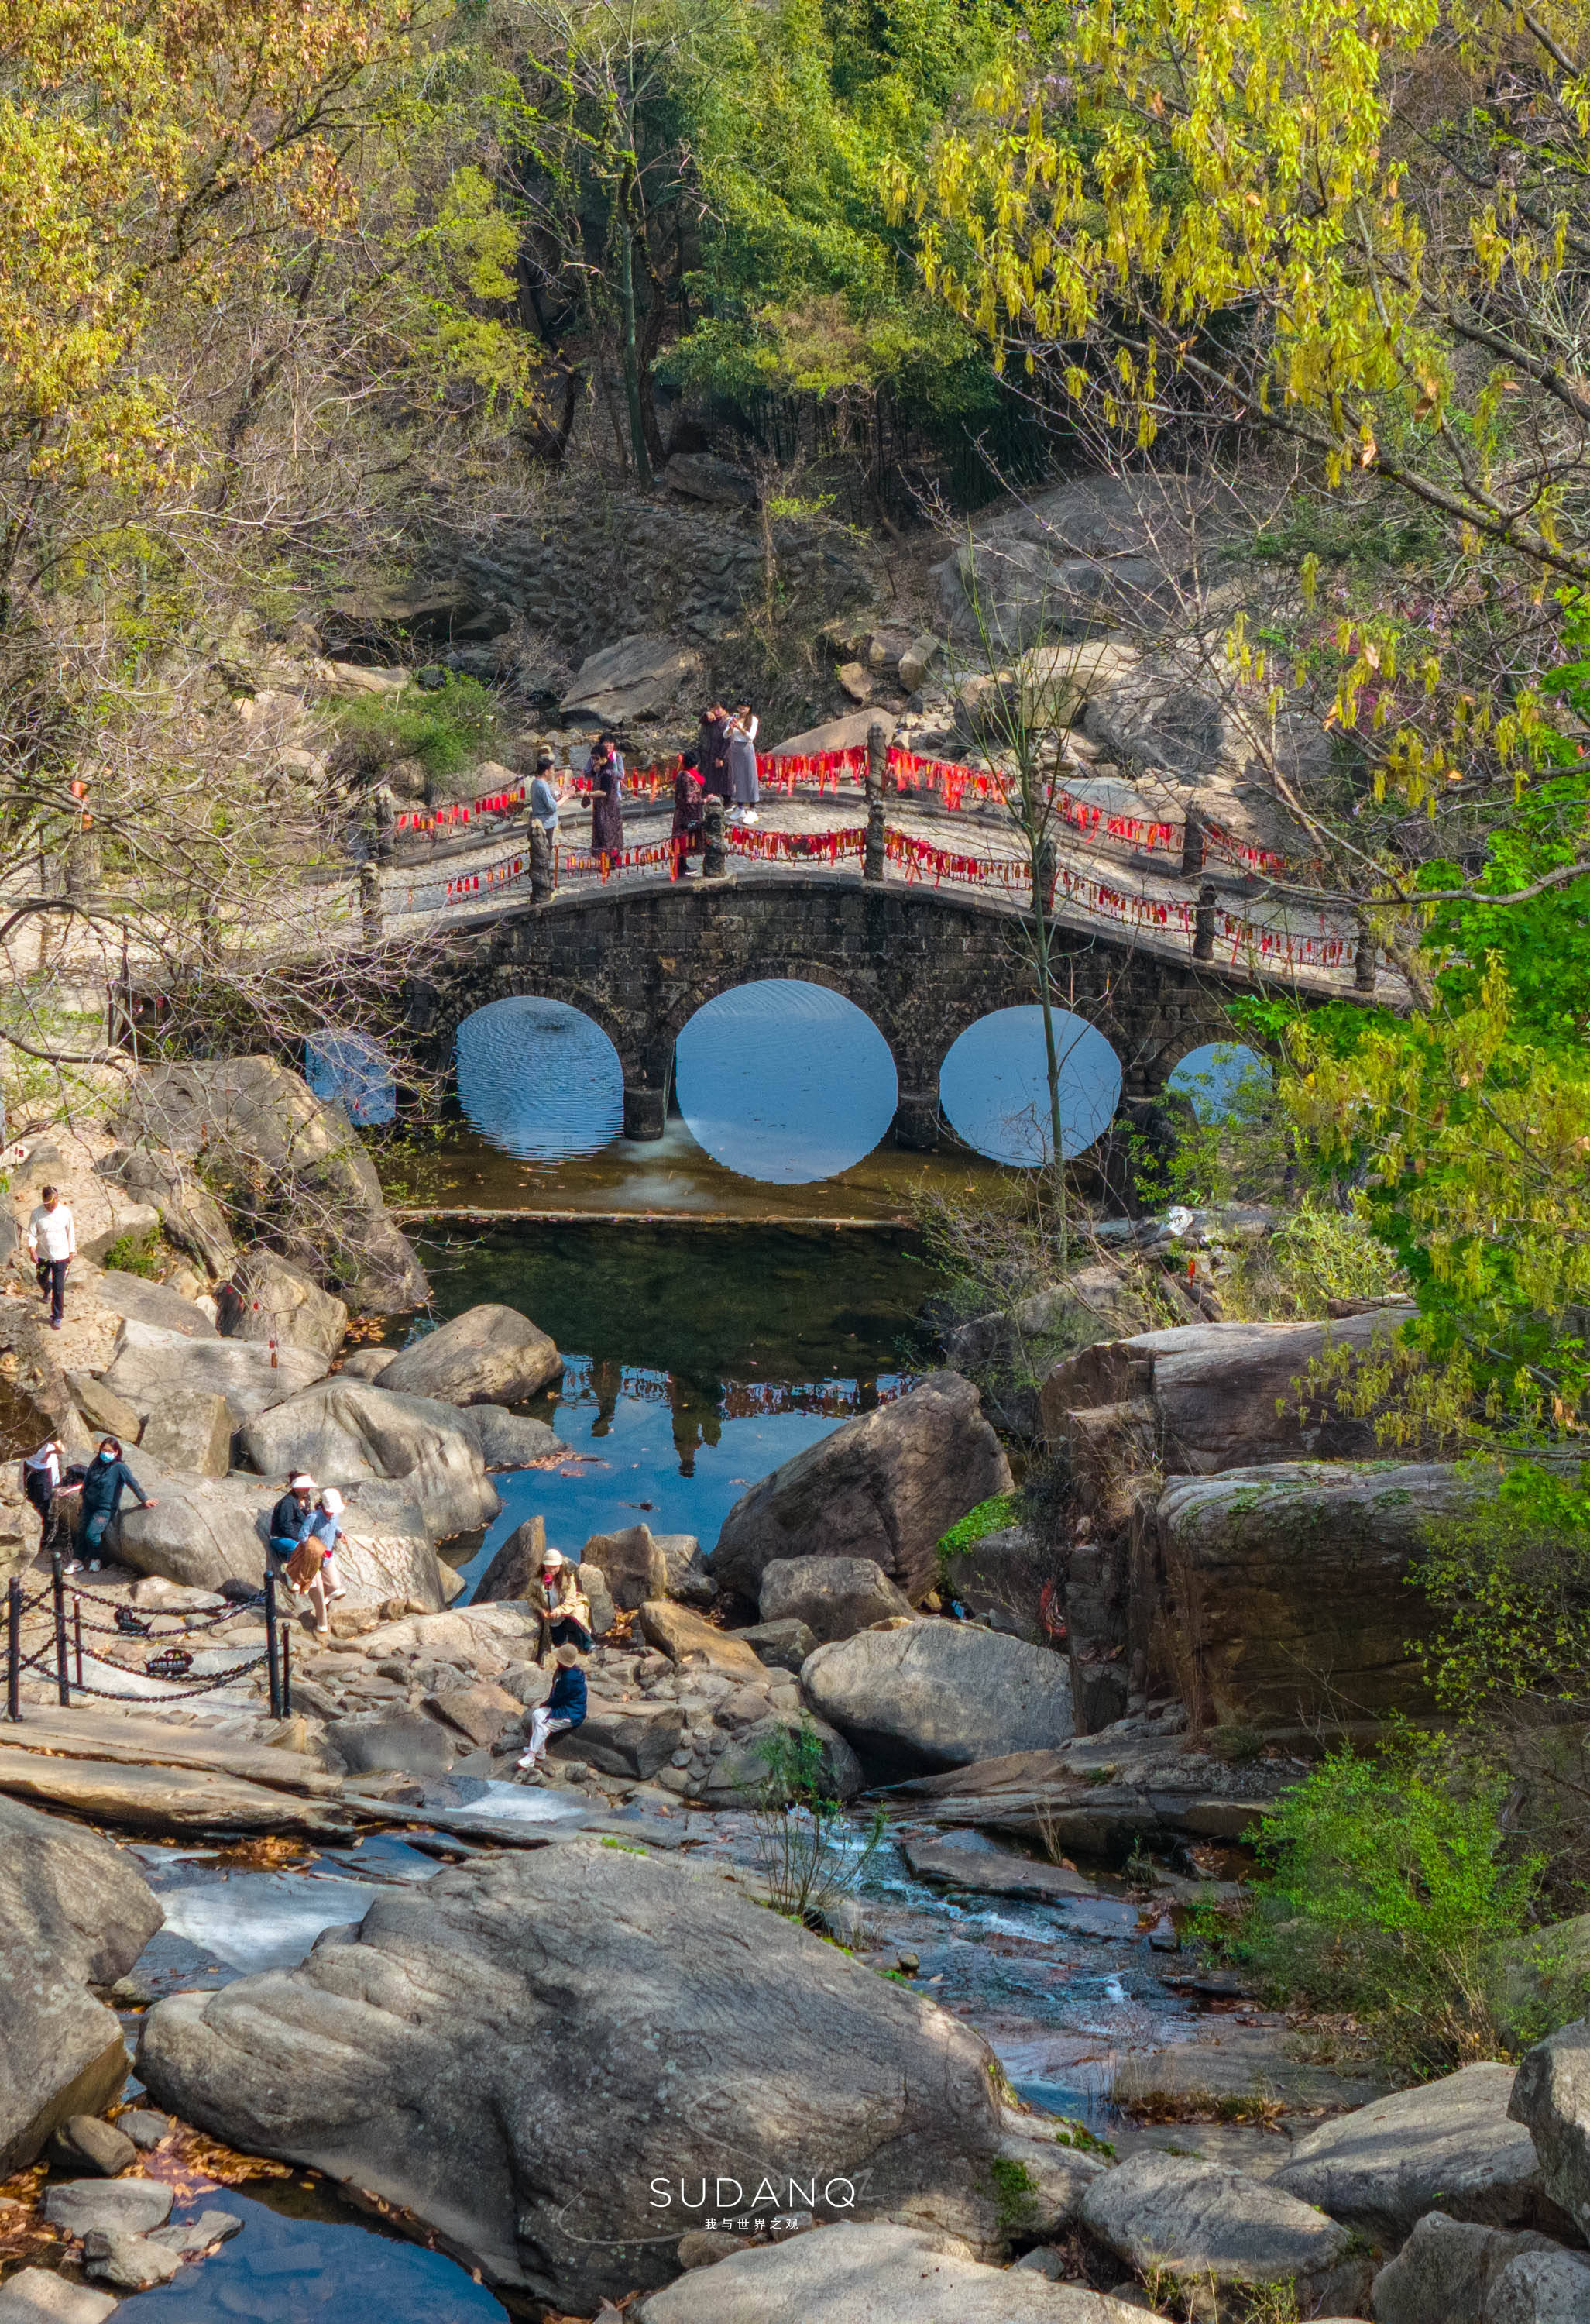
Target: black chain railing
61 1654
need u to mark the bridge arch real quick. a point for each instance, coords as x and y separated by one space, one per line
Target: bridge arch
922 964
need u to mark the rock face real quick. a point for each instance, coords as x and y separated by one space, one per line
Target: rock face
1077 560
632 1564
1451 2271
884 1487
279 1302
72 1909
1009 1580
1551 2098
1210 2227
870 2274
628 680
189 1213
488 1355
741 1776
346 1433
1448 2144
703 476
1289 1583
152 1364
939 1694
392 1742
783 1645
208 1530
834 1597
685 1637
1010 1352
37 2295
190 1432
713 2037
624 1739
287 1156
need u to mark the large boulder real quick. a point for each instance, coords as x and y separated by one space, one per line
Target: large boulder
884 1487
624 1739
151 1364
1447 2143
1290 1584
1224 1395
856 2272
425 2055
932 1695
208 1530
346 1433
834 1597
1210 2230
286 1158
634 679
1011 1351
1010 1579
278 1301
190 1432
487 1355
1454 2271
189 1213
516 1564
147 1302
73 1909
392 1742
1093 553
1551 2098
508 1439
632 1563
743 1773
686 1638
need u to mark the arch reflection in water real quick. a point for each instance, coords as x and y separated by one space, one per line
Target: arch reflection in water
785 1081
994 1086
353 1071
1222 1082
540 1080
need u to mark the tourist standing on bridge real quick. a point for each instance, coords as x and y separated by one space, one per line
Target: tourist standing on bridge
689 814
607 806
712 752
740 750
545 793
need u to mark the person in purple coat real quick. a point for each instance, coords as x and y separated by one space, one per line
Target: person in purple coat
607 806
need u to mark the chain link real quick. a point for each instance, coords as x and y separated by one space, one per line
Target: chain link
205 1685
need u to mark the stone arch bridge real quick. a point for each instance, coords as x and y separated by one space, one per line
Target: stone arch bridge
924 965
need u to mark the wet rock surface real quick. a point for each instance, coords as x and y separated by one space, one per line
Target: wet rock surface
382 2060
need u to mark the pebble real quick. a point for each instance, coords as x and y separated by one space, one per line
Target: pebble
82 2207
132 2263
145 2126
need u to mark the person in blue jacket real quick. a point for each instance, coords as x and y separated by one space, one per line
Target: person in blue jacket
563 1708
104 1480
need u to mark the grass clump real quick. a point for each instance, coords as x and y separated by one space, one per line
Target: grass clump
988 1517
1384 1887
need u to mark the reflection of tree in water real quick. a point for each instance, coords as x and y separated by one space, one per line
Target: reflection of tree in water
699 1407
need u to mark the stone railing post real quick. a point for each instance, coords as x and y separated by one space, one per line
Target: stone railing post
1366 955
543 873
1203 923
1192 844
877 758
715 861
370 904
386 821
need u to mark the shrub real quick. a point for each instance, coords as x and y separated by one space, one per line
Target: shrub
446 729
1318 1253
988 1517
1385 1884
805 1846
135 1254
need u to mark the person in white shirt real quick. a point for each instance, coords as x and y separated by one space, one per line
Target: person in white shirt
52 1244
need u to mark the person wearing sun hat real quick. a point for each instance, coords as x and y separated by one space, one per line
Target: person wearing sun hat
563 1708
564 1607
291 1517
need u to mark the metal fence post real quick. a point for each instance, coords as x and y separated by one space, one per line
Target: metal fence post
287 1670
13 1647
273 1666
78 1635
62 1678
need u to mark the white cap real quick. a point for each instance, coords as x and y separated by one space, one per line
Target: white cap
552 1557
332 1500
300 1483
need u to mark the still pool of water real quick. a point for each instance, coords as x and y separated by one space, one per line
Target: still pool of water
698 1358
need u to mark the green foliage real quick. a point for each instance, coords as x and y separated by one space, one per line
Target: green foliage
446 729
1511 1580
1015 2194
987 1516
1319 1251
137 1253
803 1836
1385 1884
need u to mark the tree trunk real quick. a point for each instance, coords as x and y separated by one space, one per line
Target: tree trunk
631 353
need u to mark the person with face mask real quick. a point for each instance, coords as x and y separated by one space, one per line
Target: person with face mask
106 1479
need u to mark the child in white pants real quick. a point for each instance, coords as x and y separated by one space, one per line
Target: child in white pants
563 1708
